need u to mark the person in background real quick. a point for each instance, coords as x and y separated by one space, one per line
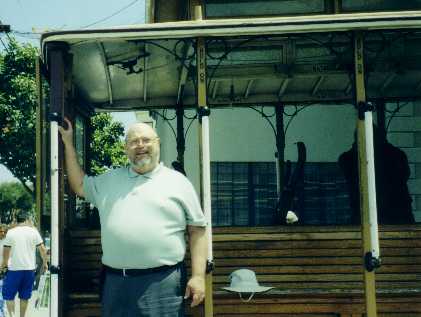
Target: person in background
3 230
145 210
19 250
392 174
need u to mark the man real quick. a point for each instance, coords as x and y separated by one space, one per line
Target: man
20 247
144 210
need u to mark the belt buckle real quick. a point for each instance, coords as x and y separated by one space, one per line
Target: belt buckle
124 273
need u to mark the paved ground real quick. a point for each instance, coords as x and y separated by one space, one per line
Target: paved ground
32 311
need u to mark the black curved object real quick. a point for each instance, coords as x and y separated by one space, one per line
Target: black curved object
286 197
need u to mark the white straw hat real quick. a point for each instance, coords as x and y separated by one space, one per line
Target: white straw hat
245 281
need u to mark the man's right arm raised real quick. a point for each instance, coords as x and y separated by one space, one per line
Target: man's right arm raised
75 173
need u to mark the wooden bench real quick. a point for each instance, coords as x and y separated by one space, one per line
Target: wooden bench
317 271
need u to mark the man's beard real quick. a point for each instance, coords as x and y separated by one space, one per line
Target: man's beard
141 163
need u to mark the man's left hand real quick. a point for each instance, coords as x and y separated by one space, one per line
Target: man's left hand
195 289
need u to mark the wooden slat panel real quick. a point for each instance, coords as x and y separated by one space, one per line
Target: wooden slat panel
317 271
286 244
277 229
85 241
86 265
93 249
397 314
311 244
246 262
272 229
277 296
278 315
325 278
311 252
313 236
304 269
288 236
253 309
332 285
288 253
86 257
84 233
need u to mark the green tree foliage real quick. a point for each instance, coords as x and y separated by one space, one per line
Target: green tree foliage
107 147
13 197
18 99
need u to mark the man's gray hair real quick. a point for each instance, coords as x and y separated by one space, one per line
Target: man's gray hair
139 124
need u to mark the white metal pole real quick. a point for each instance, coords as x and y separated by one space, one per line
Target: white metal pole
54 217
206 183
278 183
371 178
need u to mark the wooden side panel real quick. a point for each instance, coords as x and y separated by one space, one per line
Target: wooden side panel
317 271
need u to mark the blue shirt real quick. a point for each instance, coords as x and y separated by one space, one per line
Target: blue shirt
143 216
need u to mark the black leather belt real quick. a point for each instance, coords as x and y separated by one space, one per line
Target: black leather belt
137 272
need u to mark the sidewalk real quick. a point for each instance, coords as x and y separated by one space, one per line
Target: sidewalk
32 311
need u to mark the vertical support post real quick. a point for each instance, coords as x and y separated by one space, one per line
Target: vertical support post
333 6
366 172
57 97
196 9
280 147
54 217
337 6
181 142
205 193
40 153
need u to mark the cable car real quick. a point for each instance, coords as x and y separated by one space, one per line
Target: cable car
240 80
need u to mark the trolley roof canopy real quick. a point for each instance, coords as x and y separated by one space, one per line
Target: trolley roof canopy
249 61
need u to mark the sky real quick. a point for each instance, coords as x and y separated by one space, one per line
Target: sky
29 17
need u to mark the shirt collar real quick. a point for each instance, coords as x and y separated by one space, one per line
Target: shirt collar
133 174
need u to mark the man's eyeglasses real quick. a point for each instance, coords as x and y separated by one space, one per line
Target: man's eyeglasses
144 141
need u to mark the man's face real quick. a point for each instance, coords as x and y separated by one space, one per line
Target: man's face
142 148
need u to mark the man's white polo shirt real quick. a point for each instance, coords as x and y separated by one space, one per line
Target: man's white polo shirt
143 217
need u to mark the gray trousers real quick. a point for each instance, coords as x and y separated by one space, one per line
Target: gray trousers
157 294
